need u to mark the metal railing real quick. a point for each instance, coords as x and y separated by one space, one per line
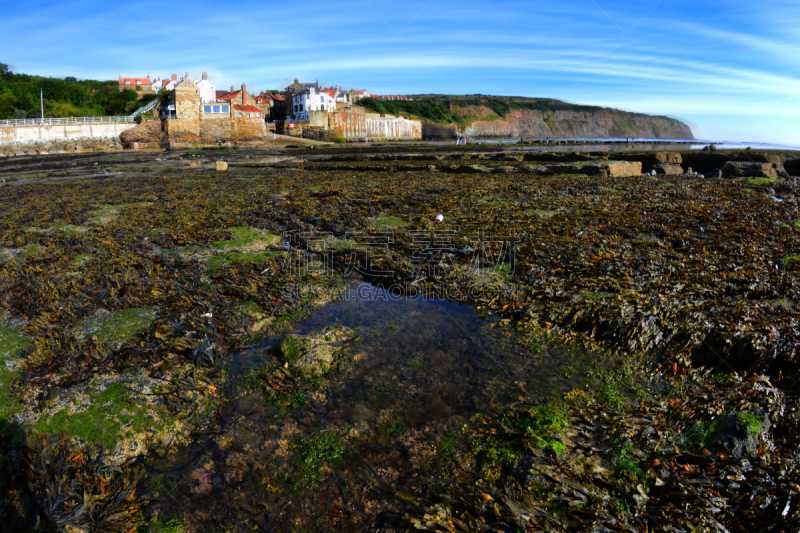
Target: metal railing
68 120
144 109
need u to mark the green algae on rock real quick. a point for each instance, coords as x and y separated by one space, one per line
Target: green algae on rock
314 353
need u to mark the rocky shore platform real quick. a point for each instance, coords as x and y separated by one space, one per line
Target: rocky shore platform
399 337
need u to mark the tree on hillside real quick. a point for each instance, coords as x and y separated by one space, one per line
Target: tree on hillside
19 96
6 104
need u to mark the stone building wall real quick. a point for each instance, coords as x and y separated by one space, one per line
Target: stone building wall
187 100
215 126
318 119
181 129
245 129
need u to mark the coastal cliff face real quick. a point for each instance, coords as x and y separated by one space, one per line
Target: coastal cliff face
596 124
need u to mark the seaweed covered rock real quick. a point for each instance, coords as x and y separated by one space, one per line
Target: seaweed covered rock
51 483
314 353
736 434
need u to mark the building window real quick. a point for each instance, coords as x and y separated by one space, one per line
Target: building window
249 115
206 109
193 103
216 109
226 109
238 115
258 115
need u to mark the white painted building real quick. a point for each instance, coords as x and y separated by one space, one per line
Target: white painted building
311 99
167 84
208 91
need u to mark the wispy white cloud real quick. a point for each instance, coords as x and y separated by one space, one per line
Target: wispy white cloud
724 65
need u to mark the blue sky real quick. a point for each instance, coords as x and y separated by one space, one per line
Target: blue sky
730 69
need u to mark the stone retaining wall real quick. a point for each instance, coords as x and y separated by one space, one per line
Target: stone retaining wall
317 133
433 131
208 129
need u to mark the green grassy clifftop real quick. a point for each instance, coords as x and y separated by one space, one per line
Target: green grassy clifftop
513 116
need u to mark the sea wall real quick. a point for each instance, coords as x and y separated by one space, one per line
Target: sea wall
379 126
354 123
31 133
603 123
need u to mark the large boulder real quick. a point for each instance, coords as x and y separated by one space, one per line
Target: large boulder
668 169
673 158
146 132
743 169
777 160
221 166
620 169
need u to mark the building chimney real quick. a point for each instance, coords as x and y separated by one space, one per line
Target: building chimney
187 76
205 75
174 77
231 87
244 94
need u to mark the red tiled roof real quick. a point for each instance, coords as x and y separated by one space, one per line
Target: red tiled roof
329 92
247 108
228 96
135 81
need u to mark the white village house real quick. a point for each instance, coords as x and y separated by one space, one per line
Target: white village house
312 99
208 91
166 84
